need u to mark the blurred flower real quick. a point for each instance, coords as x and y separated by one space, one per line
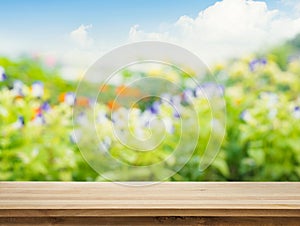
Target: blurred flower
75 136
113 105
2 74
82 119
176 100
272 113
83 101
246 116
155 107
68 98
105 143
50 61
127 91
296 112
146 117
102 116
120 117
271 98
39 119
187 96
168 125
37 89
166 97
18 87
176 104
254 64
35 152
176 114
3 111
209 90
46 106
19 123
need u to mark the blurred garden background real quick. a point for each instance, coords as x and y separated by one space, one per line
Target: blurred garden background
262 135
261 87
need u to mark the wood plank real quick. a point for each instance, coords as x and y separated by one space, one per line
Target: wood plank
92 221
209 199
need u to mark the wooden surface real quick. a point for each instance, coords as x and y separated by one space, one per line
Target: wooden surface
164 203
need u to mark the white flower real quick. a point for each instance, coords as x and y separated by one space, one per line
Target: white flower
82 119
168 125
101 117
271 98
105 144
296 112
39 120
37 89
35 152
3 111
120 117
18 88
75 136
146 117
246 116
70 98
272 113
19 123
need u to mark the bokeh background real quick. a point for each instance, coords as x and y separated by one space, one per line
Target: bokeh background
252 48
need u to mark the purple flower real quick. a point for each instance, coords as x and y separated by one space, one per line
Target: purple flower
155 107
187 95
209 90
21 120
46 106
176 114
257 62
243 115
296 112
2 74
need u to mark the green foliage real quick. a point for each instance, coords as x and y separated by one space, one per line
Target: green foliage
262 133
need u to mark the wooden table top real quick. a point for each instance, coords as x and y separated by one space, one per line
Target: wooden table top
104 199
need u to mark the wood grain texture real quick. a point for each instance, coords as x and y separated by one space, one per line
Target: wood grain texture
201 199
183 221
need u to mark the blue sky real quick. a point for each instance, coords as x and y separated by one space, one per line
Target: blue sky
78 32
110 19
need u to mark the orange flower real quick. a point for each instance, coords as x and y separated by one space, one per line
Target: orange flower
104 88
61 97
127 91
113 105
83 101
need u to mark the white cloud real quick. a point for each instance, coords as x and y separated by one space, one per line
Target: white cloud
227 29
81 36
